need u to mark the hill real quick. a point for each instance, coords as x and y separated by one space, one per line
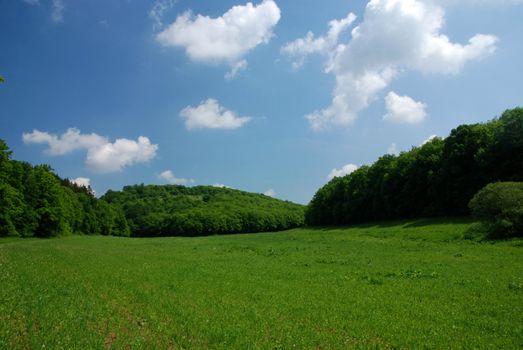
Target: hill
34 201
437 178
173 210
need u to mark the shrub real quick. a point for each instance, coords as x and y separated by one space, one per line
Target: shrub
499 206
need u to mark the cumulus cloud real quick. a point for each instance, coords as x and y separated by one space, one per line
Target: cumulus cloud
225 39
403 109
209 114
394 36
300 48
430 138
158 10
345 170
270 193
393 149
481 2
102 155
168 176
81 181
68 142
112 157
235 69
220 186
57 11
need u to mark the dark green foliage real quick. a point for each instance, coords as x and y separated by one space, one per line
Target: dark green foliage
173 210
437 178
500 207
34 201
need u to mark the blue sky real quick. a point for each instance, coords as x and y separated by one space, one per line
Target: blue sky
230 93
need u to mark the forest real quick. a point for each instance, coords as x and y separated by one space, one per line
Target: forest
438 178
34 201
173 210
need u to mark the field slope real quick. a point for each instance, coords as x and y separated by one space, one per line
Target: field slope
393 285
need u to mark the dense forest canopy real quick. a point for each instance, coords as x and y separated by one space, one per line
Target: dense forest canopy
34 201
437 178
168 210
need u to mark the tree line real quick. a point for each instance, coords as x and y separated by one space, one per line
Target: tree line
34 201
173 210
438 178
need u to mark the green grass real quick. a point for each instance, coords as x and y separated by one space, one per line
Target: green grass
410 284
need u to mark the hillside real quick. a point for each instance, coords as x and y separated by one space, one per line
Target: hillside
437 178
173 210
34 201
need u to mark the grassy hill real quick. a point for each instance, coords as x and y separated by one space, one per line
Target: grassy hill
173 210
404 284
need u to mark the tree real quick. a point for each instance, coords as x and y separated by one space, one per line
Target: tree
437 178
500 207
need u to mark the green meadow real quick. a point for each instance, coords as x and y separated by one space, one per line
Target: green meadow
393 285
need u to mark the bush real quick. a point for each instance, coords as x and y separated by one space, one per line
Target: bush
499 206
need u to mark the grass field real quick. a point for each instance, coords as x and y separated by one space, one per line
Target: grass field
410 284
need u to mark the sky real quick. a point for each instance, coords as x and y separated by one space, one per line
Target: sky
274 97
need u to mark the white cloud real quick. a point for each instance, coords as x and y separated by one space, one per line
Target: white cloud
394 36
430 138
220 186
102 155
270 193
480 2
209 114
81 181
393 149
403 109
57 11
158 10
235 69
300 48
345 170
112 157
68 142
168 176
225 39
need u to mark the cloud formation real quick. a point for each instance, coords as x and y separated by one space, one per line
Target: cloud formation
57 11
403 109
393 149
270 193
300 48
394 36
81 181
168 176
157 11
429 139
225 39
345 170
209 114
102 155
